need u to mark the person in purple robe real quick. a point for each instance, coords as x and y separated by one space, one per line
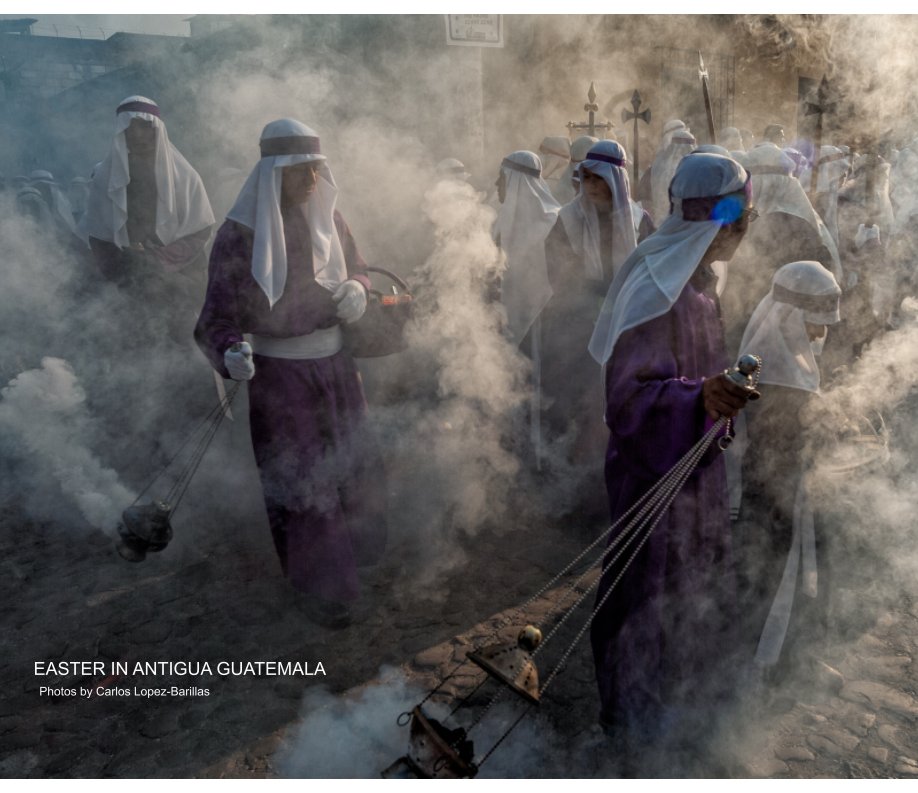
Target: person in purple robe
593 236
148 218
285 269
658 639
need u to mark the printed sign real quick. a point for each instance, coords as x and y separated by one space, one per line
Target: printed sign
475 30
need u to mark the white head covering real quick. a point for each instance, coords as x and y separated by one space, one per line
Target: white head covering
581 218
451 168
555 153
564 191
801 292
283 143
776 190
832 167
182 207
731 139
523 221
31 203
681 143
669 129
60 206
653 277
856 187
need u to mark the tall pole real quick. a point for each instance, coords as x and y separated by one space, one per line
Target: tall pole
709 111
643 115
822 106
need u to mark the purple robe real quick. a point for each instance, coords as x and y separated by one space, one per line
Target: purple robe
657 639
321 472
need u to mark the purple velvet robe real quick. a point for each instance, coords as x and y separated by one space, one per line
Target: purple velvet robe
658 637
320 469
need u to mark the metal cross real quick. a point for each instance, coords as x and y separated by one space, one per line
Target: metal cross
590 126
643 115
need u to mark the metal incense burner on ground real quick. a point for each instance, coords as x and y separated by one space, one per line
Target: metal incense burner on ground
512 663
438 752
147 528
144 528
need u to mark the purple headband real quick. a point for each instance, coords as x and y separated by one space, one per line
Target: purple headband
616 161
515 166
138 107
823 304
293 144
763 170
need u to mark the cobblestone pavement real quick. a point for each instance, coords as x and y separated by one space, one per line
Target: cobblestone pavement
74 598
216 594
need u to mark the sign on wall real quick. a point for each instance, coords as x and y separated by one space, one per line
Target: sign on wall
475 30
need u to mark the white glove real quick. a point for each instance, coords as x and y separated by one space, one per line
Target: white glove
351 297
865 234
238 361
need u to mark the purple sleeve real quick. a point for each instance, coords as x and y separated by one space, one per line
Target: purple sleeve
178 254
654 414
356 266
218 325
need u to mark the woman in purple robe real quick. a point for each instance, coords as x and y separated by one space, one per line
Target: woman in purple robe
659 637
285 269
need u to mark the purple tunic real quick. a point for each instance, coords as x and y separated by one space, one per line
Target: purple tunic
656 639
321 471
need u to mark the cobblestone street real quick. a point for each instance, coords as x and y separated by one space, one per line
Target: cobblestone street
82 602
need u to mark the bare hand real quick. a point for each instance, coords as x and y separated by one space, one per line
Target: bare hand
723 398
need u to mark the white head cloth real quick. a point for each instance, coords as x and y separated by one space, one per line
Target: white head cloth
669 129
523 221
681 143
801 292
451 168
608 160
731 139
555 153
283 143
776 190
31 203
832 167
60 207
653 277
564 191
182 207
856 187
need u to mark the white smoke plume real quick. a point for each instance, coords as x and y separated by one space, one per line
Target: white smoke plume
44 423
350 737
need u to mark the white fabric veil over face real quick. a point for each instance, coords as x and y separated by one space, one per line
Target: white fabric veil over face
523 222
801 292
581 218
283 143
653 277
182 207
776 190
